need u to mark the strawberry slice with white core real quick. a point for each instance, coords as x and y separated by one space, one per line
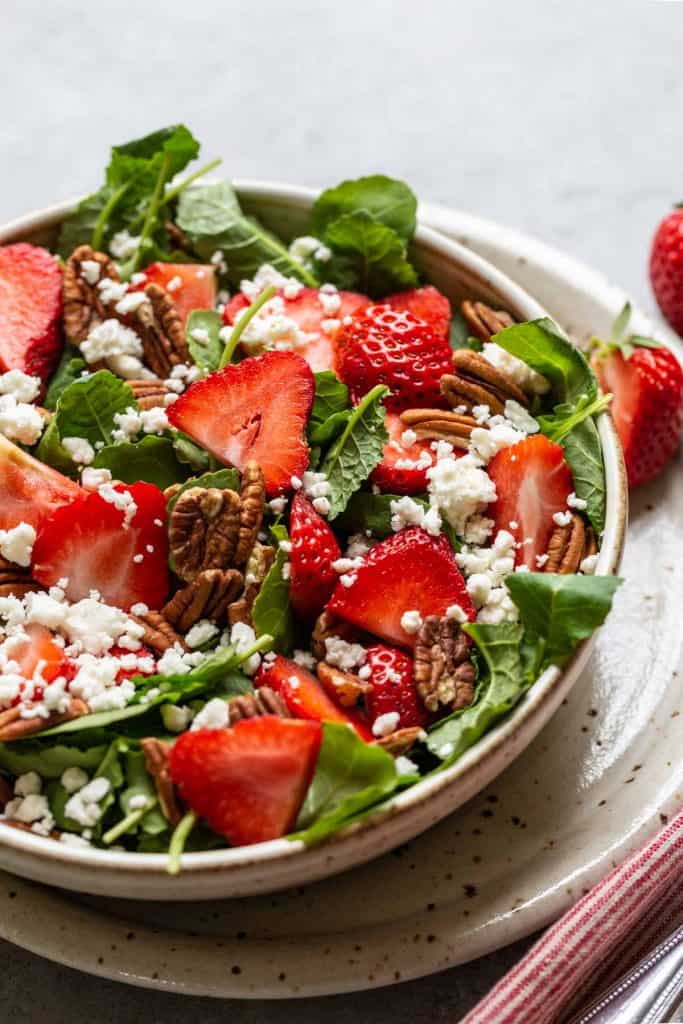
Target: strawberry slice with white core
248 782
117 547
305 696
308 320
30 491
409 572
38 649
533 482
404 465
190 285
258 410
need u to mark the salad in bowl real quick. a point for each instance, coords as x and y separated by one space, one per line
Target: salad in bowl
284 532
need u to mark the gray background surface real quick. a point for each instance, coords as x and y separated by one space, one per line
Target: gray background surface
563 119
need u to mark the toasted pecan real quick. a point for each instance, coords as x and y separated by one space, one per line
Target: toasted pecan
161 331
400 742
252 499
255 705
16 581
483 321
440 425
151 393
348 688
477 382
257 568
444 673
159 634
14 727
203 530
206 597
328 625
83 306
569 545
156 762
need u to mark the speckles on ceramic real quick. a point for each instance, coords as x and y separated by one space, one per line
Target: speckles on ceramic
532 842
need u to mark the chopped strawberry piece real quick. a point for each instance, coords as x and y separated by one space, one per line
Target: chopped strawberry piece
248 782
427 304
30 491
647 406
258 410
317 313
395 474
388 346
129 673
89 544
314 549
533 482
393 687
190 285
410 571
30 310
305 696
38 649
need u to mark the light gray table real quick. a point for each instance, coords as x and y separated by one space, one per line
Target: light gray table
560 118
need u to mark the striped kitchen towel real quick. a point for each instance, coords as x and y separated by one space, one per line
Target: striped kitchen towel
620 920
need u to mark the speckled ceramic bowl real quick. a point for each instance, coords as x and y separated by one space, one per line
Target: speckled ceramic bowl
281 863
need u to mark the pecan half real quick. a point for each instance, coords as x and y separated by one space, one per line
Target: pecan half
483 321
83 306
439 425
206 597
161 331
252 499
171 492
569 545
159 634
477 382
444 673
156 762
16 581
257 568
255 705
149 394
328 625
14 727
203 530
349 689
401 741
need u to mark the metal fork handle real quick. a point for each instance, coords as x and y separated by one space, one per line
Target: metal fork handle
647 993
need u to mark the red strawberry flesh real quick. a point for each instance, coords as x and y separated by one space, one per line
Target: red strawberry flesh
393 687
30 310
314 549
30 491
190 285
403 469
427 304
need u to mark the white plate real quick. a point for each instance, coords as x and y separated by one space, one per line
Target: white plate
589 789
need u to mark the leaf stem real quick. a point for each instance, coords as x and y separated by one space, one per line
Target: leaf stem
243 322
151 212
107 210
265 641
178 840
131 819
172 193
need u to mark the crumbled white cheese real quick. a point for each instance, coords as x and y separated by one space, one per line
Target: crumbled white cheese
176 661
520 418
243 637
73 779
214 715
523 376
176 718
80 450
358 546
93 479
588 565
122 500
123 245
302 249
305 659
411 621
110 338
19 421
201 633
404 766
130 302
562 518
408 438
90 271
455 612
83 806
17 543
344 565
385 724
459 488
407 512
342 654
20 385
580 504
28 784
278 505
485 442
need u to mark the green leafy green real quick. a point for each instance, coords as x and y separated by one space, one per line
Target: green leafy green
87 407
388 201
350 778
70 368
367 255
52 453
330 396
153 459
272 612
583 452
357 451
48 761
211 217
558 613
206 351
541 345
190 453
501 688
139 783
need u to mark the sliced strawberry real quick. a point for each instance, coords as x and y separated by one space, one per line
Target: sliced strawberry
255 410
410 571
30 491
426 303
533 483
403 469
317 313
388 346
247 782
393 686
38 648
88 544
304 695
192 285
647 385
30 310
129 673
314 549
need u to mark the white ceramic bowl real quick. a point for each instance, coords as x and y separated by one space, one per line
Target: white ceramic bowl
281 863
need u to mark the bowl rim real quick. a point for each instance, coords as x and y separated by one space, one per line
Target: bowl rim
517 726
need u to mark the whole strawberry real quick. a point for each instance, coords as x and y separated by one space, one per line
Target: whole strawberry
646 381
390 346
666 268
